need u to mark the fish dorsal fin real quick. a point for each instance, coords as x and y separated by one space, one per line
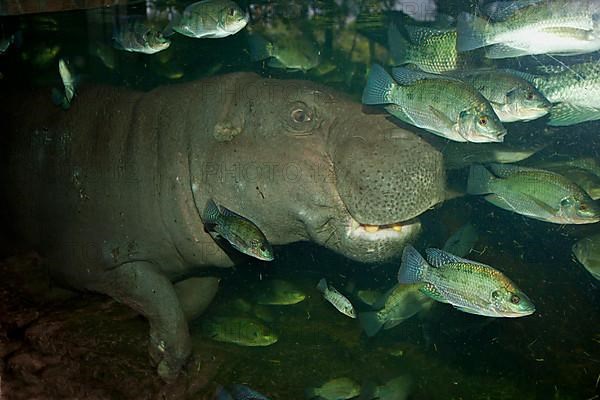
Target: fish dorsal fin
501 10
531 78
226 212
439 258
419 34
408 76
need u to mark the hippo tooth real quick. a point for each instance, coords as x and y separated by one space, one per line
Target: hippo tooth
371 228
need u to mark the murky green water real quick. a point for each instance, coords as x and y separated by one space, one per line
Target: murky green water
552 354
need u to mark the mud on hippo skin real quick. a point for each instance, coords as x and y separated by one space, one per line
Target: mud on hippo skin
128 174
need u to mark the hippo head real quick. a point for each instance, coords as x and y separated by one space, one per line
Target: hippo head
307 163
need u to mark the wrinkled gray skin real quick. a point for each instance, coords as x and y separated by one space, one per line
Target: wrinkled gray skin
112 190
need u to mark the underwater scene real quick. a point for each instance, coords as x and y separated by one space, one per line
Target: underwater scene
323 199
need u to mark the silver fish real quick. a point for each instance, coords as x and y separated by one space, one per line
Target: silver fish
339 301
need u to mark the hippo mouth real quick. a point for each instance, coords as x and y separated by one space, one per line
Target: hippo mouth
391 231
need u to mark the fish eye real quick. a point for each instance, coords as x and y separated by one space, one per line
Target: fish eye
483 120
583 207
231 12
529 96
300 116
565 202
515 299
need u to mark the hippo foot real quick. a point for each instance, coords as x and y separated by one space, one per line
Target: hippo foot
168 361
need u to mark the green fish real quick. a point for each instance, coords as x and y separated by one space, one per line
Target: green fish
512 98
368 296
587 251
395 389
239 330
535 193
469 286
209 19
396 306
291 53
136 35
279 292
335 389
462 241
589 164
432 50
526 27
574 90
460 155
442 105
240 232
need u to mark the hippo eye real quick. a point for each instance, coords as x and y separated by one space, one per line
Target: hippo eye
300 116
515 299
483 120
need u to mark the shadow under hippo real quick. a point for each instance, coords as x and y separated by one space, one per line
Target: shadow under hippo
111 191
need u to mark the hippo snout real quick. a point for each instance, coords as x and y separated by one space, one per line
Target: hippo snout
388 176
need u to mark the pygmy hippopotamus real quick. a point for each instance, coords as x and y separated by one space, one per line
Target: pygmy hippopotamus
112 190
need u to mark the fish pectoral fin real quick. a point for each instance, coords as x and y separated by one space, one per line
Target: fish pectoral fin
501 50
522 204
443 118
431 291
399 112
565 114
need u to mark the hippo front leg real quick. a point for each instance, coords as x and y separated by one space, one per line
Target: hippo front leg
140 286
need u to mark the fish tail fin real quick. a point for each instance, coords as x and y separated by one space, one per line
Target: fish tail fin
379 85
260 48
322 285
473 32
398 45
310 393
370 322
479 180
413 267
211 214
60 99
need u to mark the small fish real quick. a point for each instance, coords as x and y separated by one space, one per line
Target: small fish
432 50
399 304
238 392
394 389
209 19
574 90
441 105
335 389
469 286
587 251
460 155
279 292
239 330
527 27
368 296
294 54
240 232
69 83
339 301
136 35
534 193
512 98
5 43
462 241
